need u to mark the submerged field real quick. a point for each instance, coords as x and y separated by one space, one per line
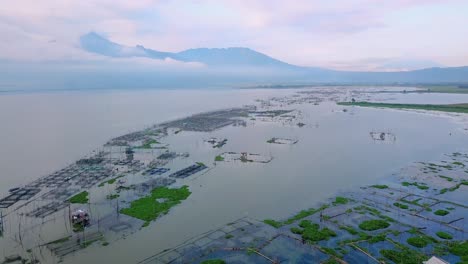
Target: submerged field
455 108
382 223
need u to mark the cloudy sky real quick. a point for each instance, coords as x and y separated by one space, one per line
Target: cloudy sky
338 34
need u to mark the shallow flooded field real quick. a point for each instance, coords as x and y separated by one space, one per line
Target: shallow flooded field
321 150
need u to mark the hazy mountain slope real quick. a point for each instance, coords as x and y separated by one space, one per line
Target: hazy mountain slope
247 62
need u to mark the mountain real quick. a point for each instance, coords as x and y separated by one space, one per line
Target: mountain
270 69
95 43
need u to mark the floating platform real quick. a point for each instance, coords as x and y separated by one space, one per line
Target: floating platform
184 173
20 194
157 171
47 209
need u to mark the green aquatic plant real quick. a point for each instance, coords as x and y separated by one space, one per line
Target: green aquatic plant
149 208
441 212
444 235
371 225
80 198
400 205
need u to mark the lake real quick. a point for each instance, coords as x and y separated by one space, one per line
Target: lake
43 132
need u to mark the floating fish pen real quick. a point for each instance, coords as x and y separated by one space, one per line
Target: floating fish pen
168 156
184 173
245 157
154 183
157 171
60 193
217 143
21 194
282 141
73 244
47 209
206 122
269 113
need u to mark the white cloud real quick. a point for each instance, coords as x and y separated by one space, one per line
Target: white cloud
304 32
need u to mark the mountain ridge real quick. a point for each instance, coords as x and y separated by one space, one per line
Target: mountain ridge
246 58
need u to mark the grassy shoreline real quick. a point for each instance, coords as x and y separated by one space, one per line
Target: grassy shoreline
453 108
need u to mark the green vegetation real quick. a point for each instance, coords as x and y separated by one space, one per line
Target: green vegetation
105 243
420 186
304 213
311 232
300 215
446 177
330 251
147 143
331 261
406 256
340 200
228 236
78 228
350 230
148 208
273 223
377 238
400 205
460 249
219 158
200 163
419 241
214 261
454 188
296 230
441 212
371 225
80 198
380 186
445 89
444 235
457 108
111 181
112 196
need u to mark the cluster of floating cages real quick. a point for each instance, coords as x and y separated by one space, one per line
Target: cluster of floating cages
82 175
128 163
167 156
132 166
184 173
154 183
157 171
20 194
60 193
245 157
123 140
72 244
48 209
216 142
282 141
206 122
269 113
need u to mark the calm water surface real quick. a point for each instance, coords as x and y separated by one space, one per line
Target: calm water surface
43 132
